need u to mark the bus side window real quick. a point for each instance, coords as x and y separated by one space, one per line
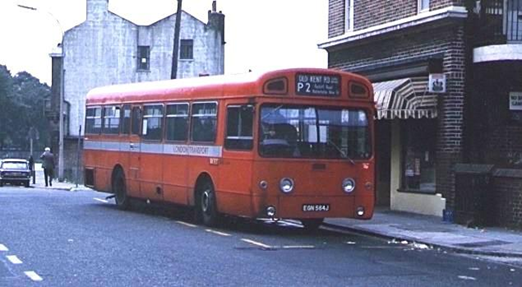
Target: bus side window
93 120
177 122
111 120
152 127
240 121
204 122
126 120
136 120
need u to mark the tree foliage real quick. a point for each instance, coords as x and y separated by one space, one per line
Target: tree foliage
22 100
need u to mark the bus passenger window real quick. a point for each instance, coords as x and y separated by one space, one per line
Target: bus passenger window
126 120
136 120
93 120
204 122
111 120
152 122
177 122
240 121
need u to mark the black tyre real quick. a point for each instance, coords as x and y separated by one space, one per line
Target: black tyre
120 190
207 208
26 183
312 224
1 183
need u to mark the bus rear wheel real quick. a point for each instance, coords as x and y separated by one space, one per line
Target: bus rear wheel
120 190
207 207
312 224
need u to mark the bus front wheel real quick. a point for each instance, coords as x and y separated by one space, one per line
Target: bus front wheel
207 207
120 190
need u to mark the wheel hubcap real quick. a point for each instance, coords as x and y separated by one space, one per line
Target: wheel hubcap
205 201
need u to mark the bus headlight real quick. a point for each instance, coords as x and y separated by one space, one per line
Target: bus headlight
286 185
348 185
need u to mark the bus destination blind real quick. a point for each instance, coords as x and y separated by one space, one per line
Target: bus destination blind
317 85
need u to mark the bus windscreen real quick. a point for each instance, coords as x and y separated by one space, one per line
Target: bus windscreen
314 132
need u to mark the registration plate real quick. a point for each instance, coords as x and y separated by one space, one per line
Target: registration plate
316 207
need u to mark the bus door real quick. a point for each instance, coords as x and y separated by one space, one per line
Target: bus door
151 153
134 148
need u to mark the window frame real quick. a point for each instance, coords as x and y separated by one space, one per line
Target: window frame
420 6
140 57
167 116
100 118
136 129
186 52
126 122
409 142
192 121
144 116
349 15
108 119
249 146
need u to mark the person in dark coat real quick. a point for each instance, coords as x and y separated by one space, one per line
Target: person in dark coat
31 167
48 166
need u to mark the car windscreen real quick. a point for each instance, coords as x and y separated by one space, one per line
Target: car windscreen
14 165
314 132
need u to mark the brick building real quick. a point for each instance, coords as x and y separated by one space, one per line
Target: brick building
108 49
446 77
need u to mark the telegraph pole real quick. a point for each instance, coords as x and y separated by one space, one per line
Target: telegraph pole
175 50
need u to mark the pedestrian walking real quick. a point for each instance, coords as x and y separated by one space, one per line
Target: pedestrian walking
48 166
31 167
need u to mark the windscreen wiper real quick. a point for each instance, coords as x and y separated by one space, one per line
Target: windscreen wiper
345 155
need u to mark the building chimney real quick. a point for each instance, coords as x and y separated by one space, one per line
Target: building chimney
216 20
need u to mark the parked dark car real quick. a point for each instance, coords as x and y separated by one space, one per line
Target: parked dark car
15 171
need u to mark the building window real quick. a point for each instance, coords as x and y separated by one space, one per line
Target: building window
143 58
419 150
186 49
424 5
348 24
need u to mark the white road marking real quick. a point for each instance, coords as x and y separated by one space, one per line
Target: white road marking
14 259
101 200
256 243
33 276
217 232
3 248
298 247
186 224
467 278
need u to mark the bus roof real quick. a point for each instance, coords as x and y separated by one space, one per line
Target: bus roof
202 87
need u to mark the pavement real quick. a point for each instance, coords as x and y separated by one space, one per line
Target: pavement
421 231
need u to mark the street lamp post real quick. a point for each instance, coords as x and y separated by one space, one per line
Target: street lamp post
61 106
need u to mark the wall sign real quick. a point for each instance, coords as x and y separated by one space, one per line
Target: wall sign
437 83
515 101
